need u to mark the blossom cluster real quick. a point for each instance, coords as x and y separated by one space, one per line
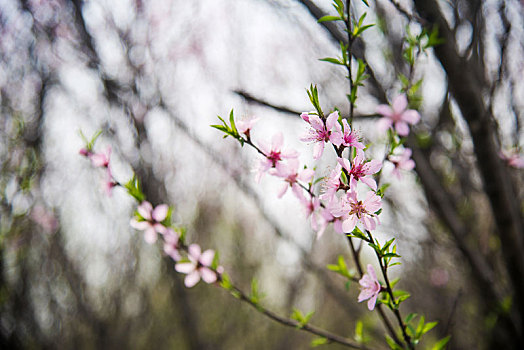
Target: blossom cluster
102 160
349 196
198 265
154 221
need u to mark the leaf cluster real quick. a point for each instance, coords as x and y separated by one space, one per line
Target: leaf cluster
229 130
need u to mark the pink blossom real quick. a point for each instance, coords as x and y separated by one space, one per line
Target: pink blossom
101 159
85 152
402 161
244 126
351 210
311 204
320 133
331 184
512 158
109 182
359 169
397 115
198 266
289 172
369 288
149 220
350 137
274 155
172 244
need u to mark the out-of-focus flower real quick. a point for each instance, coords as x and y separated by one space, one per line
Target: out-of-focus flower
369 288
101 159
320 133
244 126
512 158
172 244
150 219
402 161
397 115
198 266
289 172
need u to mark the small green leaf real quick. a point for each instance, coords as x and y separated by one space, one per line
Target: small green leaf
428 326
332 60
328 19
392 344
319 341
441 344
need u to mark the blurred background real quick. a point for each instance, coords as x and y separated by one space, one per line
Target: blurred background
153 75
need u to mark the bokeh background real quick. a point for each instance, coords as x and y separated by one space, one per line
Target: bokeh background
153 75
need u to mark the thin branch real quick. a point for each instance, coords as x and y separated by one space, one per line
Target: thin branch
333 338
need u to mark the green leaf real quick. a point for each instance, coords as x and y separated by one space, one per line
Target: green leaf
410 316
365 2
441 344
225 282
428 326
433 38
392 344
134 190
359 234
359 333
328 19
332 60
301 319
319 341
232 122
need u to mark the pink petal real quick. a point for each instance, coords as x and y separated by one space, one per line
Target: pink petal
369 223
276 141
160 228
150 235
207 257
384 110
318 149
282 189
209 276
411 116
373 166
139 225
160 212
372 302
316 122
383 124
305 116
370 182
349 224
336 138
185 267
145 210
371 272
331 120
194 251
192 279
400 103
402 128
365 293
306 175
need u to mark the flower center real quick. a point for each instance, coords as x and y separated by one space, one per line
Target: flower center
274 157
357 208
